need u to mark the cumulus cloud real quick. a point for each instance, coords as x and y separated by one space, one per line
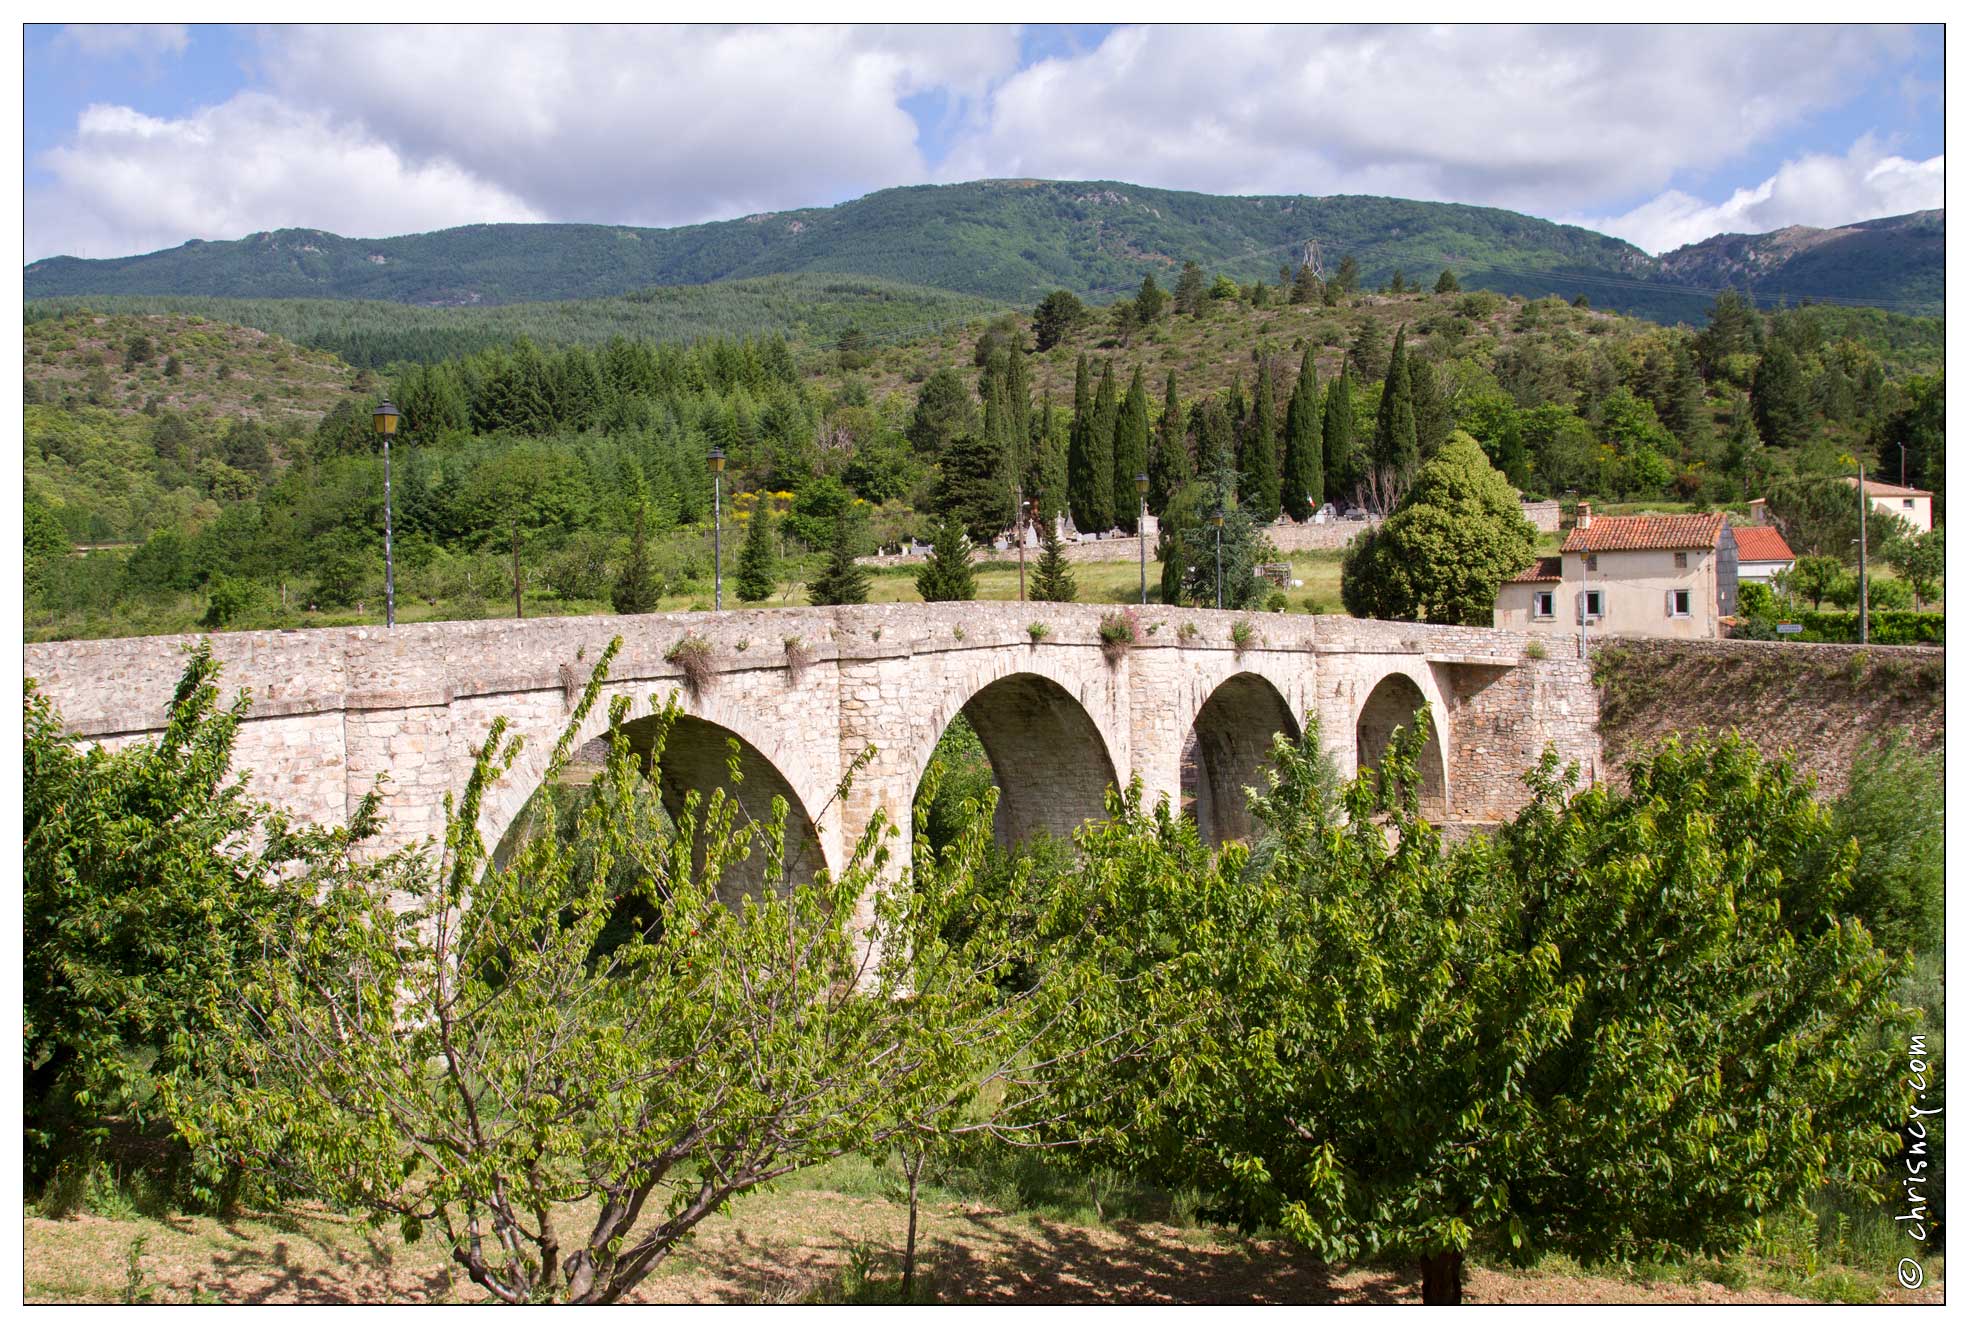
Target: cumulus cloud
129 182
1817 189
1546 119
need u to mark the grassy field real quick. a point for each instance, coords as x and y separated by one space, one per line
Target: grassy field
834 1234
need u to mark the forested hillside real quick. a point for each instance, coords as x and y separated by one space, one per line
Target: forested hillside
1268 397
1008 240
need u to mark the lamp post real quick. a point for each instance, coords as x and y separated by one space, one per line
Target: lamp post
1860 466
1142 531
1217 520
1019 533
385 420
717 460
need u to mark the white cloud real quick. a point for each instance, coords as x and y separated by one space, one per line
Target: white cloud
107 40
129 183
1546 119
1817 189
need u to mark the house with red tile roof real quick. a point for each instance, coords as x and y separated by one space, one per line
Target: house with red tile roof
1646 576
1761 553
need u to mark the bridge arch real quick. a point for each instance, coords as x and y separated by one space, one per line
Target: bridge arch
1392 703
1049 756
696 757
1228 748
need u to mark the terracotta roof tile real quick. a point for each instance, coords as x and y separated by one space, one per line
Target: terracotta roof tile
1545 569
1761 544
1695 531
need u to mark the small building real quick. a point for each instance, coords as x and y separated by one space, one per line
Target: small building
1761 553
1913 506
1651 576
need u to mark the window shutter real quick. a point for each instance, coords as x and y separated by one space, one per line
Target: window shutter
1671 604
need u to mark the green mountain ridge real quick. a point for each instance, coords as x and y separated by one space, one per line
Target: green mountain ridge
1014 240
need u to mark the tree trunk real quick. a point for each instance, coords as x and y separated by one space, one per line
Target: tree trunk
1442 1279
913 1168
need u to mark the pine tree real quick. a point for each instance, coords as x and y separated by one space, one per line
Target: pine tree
1447 283
1395 453
1190 294
1779 398
1684 412
1302 486
948 574
1258 458
638 588
1149 301
1305 286
1053 579
1169 461
758 571
1337 433
1131 451
843 581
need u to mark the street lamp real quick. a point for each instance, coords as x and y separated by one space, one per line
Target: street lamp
1142 531
385 420
1860 469
717 460
1217 520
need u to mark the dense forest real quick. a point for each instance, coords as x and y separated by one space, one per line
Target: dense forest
1014 240
1263 398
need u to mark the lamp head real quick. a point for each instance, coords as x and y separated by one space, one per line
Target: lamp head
384 419
717 459
1141 484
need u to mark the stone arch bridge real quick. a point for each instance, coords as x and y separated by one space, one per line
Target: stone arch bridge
1188 708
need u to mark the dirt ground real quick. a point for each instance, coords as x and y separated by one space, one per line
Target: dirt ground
795 1245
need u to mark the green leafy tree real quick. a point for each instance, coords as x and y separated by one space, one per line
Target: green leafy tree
1920 560
945 410
1131 450
1915 433
1305 286
1303 485
1816 577
1892 810
974 487
1149 301
948 574
1056 318
1258 460
173 367
1447 283
1441 555
1190 554
638 587
534 1035
138 352
758 561
229 599
1169 458
43 539
1053 577
843 581
1346 280
1820 514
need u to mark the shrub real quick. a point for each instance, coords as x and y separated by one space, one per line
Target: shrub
798 656
1243 635
1186 633
692 655
232 598
1038 632
1534 649
1275 602
1118 635
1893 807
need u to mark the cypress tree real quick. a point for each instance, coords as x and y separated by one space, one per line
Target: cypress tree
1099 493
637 589
1131 451
1302 487
948 574
1338 437
1430 406
1169 461
1395 450
1258 458
1080 460
1214 443
843 581
1053 579
758 571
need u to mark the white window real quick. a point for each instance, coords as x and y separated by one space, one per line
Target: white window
1541 604
1907 502
1590 606
1678 604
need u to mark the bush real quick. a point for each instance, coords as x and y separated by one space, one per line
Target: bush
692 655
232 598
1118 635
1887 627
1893 807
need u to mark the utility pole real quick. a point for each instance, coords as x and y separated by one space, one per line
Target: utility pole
1864 505
1019 533
519 610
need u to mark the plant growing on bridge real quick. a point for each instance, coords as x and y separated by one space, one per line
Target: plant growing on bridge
1243 635
692 655
1633 1022
1118 635
560 1065
1038 632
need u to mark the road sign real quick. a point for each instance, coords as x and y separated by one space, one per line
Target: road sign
1791 627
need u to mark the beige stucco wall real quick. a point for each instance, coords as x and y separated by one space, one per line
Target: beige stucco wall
1916 512
1633 586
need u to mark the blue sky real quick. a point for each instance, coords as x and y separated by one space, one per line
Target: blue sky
139 138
